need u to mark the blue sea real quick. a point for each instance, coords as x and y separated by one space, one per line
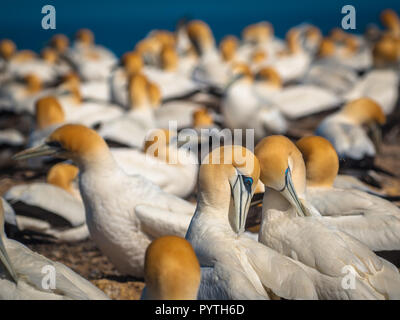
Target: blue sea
119 24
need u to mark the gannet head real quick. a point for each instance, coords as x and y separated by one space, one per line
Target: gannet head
137 89
158 144
351 44
321 159
202 118
200 35
7 49
62 175
240 72
313 34
228 47
49 55
59 42
390 20
258 33
293 40
269 76
386 50
5 260
71 141
326 48
149 48
364 111
23 56
164 37
258 56
132 62
283 169
71 83
169 58
171 270
33 83
229 175
48 112
337 35
85 36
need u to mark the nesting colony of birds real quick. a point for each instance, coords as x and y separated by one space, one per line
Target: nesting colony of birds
252 168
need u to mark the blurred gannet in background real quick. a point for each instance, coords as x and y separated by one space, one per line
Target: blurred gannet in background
291 226
391 21
234 266
161 162
22 275
171 270
51 210
243 108
294 101
92 62
131 127
370 219
344 128
123 213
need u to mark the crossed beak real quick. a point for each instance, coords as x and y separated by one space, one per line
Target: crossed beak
242 195
289 192
42 150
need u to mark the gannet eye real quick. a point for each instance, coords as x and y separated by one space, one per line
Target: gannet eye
248 182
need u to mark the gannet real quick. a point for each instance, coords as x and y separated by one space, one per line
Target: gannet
370 219
292 226
123 213
294 101
233 266
391 21
93 62
243 107
131 127
171 270
173 169
23 272
344 128
51 210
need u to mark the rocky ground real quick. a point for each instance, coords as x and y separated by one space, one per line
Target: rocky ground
84 257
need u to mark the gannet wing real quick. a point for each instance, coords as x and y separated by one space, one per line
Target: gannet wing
279 273
157 222
47 202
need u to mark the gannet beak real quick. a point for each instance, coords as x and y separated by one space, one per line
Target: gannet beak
42 150
289 192
242 193
5 260
376 135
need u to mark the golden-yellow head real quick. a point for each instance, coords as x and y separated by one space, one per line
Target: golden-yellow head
270 76
49 55
169 58
33 83
59 42
364 110
132 62
171 268
48 112
85 36
200 35
391 20
137 90
62 175
202 118
7 49
228 47
321 159
326 48
258 33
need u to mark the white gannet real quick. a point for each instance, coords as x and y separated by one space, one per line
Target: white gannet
123 213
293 101
233 266
368 218
23 271
92 61
131 127
173 169
344 128
171 270
292 226
243 107
51 210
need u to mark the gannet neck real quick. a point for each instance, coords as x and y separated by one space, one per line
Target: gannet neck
321 159
48 112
